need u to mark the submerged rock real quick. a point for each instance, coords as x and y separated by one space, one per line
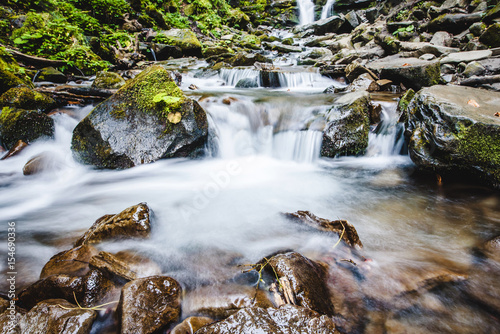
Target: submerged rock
130 223
26 125
57 316
149 304
43 162
339 227
453 130
286 319
348 125
147 119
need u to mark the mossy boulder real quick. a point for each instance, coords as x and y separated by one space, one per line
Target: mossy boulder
108 80
26 98
453 131
348 124
453 23
412 72
147 119
52 75
491 36
185 39
7 78
26 125
250 41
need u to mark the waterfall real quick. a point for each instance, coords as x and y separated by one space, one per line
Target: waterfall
327 9
301 146
387 139
232 76
306 11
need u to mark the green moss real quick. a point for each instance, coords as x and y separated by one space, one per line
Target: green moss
405 99
479 144
433 73
9 116
26 98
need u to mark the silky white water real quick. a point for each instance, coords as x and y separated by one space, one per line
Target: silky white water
306 11
213 213
327 10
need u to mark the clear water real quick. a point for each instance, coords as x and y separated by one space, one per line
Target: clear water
226 209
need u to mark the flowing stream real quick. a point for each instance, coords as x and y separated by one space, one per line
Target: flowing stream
226 208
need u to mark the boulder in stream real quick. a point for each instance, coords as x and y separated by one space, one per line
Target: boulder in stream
132 222
147 119
27 98
286 319
453 130
348 124
74 262
108 80
149 304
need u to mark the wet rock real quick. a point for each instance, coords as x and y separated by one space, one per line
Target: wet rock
282 47
73 262
453 23
411 72
491 36
362 83
306 278
133 222
477 28
26 98
108 80
339 227
216 50
453 131
49 316
355 69
52 75
286 319
185 39
191 325
468 56
4 303
221 301
248 83
25 125
321 27
7 319
149 304
474 68
43 162
148 119
416 49
483 285
7 79
347 127
16 149
89 289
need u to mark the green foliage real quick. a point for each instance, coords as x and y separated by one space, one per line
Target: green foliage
409 28
79 18
176 20
123 38
104 10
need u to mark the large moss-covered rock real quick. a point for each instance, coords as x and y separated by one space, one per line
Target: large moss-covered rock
491 36
52 75
286 319
26 125
26 98
454 131
147 119
8 70
185 39
108 80
346 132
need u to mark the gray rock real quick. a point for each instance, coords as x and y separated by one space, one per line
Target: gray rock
468 56
315 40
49 317
108 80
321 27
442 38
453 131
282 47
318 53
427 56
248 83
147 119
52 75
474 68
412 72
287 319
453 23
491 36
477 28
348 123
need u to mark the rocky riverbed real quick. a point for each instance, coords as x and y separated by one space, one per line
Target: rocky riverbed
306 167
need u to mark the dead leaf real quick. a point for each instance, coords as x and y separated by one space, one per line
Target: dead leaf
406 64
174 118
497 114
473 103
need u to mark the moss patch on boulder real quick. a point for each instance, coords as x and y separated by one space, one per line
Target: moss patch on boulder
26 98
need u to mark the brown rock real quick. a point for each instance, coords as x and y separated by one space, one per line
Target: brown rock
73 262
131 222
113 267
221 301
7 319
4 303
89 290
149 304
286 319
16 149
350 235
49 317
191 325
306 279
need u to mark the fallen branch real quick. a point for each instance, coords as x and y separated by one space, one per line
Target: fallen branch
481 80
34 60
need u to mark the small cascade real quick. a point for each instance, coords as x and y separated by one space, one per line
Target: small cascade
327 9
153 53
387 139
306 11
300 146
233 75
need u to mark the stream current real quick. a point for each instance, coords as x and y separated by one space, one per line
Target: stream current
261 163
